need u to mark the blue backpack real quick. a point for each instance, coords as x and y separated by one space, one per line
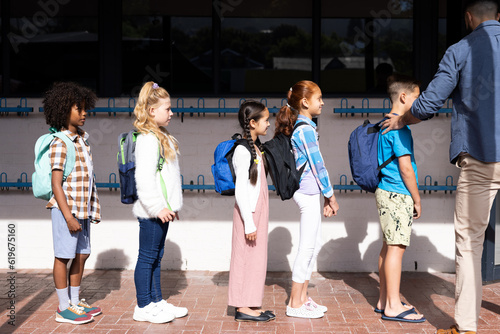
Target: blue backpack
42 177
222 169
363 156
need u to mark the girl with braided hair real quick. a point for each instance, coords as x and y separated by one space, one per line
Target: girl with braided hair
247 273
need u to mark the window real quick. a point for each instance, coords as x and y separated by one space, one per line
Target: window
342 55
51 42
260 47
192 55
442 29
265 46
264 55
166 44
363 43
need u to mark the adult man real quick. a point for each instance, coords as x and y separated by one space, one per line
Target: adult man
470 73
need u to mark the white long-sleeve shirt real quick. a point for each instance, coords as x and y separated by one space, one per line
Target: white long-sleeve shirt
246 194
151 200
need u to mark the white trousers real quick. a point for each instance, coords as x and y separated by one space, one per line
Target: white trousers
310 236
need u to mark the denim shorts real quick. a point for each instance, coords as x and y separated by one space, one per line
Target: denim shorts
396 216
67 244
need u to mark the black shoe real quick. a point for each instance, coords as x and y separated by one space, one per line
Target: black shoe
263 317
270 314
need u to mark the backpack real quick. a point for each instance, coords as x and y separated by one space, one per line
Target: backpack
42 177
281 164
126 167
363 156
222 169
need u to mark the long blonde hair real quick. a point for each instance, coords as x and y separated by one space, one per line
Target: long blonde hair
149 97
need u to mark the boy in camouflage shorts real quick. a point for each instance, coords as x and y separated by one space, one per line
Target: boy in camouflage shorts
398 202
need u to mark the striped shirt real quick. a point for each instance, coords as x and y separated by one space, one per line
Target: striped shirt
305 147
79 188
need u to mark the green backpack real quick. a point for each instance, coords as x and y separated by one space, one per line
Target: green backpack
42 177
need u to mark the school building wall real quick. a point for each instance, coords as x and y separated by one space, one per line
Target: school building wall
201 240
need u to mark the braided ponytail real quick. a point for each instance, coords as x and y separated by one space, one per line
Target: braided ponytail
251 110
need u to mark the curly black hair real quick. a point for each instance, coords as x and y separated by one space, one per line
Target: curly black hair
61 97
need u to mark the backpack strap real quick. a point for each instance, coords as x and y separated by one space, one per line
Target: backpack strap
376 128
388 161
70 153
229 155
159 167
236 136
299 124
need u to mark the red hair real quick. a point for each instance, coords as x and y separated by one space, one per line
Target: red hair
287 116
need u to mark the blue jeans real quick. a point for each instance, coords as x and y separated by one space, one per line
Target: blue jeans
152 236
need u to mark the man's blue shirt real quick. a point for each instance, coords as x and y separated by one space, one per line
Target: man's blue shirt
399 143
469 73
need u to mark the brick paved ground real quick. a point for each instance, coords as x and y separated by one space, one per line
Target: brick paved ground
350 298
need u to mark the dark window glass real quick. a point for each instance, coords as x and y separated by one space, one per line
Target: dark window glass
145 53
264 55
442 30
52 42
343 55
167 44
192 55
172 51
363 43
442 38
393 45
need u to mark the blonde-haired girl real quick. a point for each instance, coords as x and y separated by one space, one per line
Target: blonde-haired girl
159 194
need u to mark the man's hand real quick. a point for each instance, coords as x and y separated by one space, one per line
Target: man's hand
394 122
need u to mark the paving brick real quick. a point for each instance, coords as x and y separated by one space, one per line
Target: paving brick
350 298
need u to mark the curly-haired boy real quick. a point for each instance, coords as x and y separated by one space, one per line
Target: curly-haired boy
74 203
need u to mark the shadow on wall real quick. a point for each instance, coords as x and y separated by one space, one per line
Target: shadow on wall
279 247
347 250
172 276
112 259
99 283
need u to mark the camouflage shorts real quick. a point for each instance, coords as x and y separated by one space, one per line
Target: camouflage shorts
396 216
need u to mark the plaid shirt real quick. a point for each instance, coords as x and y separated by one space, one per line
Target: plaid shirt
305 146
76 186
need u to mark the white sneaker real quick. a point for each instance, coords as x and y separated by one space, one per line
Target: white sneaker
178 312
305 311
152 313
321 308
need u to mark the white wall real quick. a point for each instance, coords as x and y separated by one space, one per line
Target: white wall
201 240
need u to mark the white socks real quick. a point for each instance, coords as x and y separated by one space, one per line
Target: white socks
74 294
62 294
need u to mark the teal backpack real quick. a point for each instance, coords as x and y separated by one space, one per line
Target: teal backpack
42 177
